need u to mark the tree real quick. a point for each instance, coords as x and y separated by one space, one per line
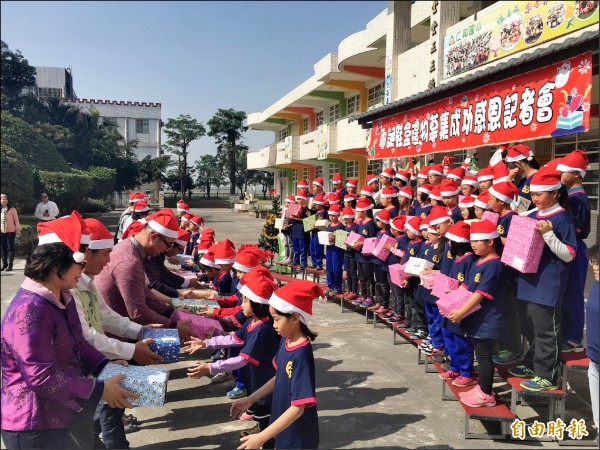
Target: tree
262 178
153 169
181 132
227 126
16 75
210 173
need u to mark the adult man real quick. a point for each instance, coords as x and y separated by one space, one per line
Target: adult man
46 209
96 318
122 282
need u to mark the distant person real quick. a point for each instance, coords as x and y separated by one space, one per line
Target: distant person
10 228
46 209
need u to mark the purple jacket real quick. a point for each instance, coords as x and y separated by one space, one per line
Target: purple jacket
45 360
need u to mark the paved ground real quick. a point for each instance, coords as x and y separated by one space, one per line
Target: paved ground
370 392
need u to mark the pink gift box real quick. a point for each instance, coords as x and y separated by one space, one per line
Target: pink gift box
454 300
397 274
443 283
524 245
293 210
369 246
491 216
201 327
379 251
428 280
354 237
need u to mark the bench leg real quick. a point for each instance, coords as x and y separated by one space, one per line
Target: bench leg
469 435
448 398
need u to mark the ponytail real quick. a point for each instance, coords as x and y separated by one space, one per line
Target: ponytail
307 331
563 199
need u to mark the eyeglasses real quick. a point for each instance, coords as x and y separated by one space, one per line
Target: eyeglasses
167 243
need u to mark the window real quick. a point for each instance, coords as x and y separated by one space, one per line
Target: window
283 133
334 112
319 119
306 125
294 177
305 174
49 92
374 167
333 168
352 169
318 171
375 97
142 126
353 104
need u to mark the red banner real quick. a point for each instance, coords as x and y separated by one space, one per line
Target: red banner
551 101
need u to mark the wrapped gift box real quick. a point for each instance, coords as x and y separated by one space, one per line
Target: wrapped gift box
166 342
428 280
149 382
194 306
380 252
324 237
491 216
443 283
354 237
340 239
455 300
202 327
574 119
278 223
181 259
321 224
397 274
294 210
521 205
524 245
308 222
369 246
416 266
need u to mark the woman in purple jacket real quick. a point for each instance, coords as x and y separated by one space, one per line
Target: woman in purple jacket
45 359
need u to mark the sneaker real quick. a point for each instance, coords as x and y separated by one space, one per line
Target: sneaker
521 372
433 351
381 310
439 358
351 296
411 330
421 334
368 302
505 357
374 306
425 345
252 430
358 300
571 346
538 384
393 319
247 417
388 315
236 393
404 325
476 398
302 267
449 375
464 381
446 366
221 377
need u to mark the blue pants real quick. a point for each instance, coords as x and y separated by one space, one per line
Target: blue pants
573 309
58 438
300 251
434 325
111 425
351 273
335 258
240 380
316 251
460 349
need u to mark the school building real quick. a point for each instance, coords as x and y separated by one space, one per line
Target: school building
429 79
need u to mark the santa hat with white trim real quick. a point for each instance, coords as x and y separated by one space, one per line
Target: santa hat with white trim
483 230
459 232
467 202
257 288
186 217
384 216
414 225
519 152
407 192
333 198
141 207
363 204
224 252
402 175
290 199
367 190
482 200
348 213
337 178
425 188
67 230
485 174
203 245
100 238
389 192
352 182
248 258
436 193
470 180
296 297
208 233
302 195
302 184
334 210
371 179
576 161
505 192
425 224
208 258
349 198
424 172
545 180
388 172
318 199
183 237
134 228
398 223
182 206
436 169
500 171
138 197
319 181
438 215
458 173
164 222
197 220
448 188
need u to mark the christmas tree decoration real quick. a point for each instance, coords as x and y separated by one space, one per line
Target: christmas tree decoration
268 239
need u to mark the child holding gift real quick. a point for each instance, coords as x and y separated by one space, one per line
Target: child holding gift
382 288
415 315
299 238
334 255
397 251
316 249
366 227
541 293
485 280
350 263
294 420
389 201
422 206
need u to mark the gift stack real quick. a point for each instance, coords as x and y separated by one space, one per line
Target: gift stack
201 327
149 382
454 300
166 342
524 245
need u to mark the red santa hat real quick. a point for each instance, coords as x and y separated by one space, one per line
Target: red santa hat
448 188
186 217
389 192
576 161
519 152
296 297
407 192
505 191
352 182
424 172
414 225
337 178
436 193
164 222
398 222
334 210
467 202
388 172
457 174
319 181
302 195
224 252
470 180
134 228
545 180
318 199
333 198
141 207
384 216
367 190
403 175
371 179
208 233
100 238
203 245
208 259
482 200
197 220
483 230
363 204
257 288
248 258
138 197
182 206
459 232
436 169
425 188
290 199
500 171
67 230
183 237
349 198
485 174
425 224
302 184
438 215
348 213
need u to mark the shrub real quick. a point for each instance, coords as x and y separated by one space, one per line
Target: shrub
103 181
94 205
16 178
68 189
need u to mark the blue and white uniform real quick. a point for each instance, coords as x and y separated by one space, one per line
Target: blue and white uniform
335 260
316 249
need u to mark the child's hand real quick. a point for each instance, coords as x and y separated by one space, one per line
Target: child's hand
387 246
543 226
252 441
189 262
404 283
427 271
201 370
239 407
194 345
456 316
208 312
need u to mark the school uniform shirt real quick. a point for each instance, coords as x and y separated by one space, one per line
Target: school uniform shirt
580 210
460 268
548 284
260 343
423 210
224 284
447 260
320 215
341 193
393 212
298 226
409 212
486 278
368 230
591 323
191 243
401 244
523 188
504 223
429 253
376 261
294 386
349 229
412 249
455 214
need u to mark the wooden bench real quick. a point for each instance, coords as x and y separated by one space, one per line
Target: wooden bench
316 274
573 361
280 278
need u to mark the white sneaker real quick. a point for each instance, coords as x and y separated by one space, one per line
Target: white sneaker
221 377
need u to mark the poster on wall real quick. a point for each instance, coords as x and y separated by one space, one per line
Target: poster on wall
511 28
547 102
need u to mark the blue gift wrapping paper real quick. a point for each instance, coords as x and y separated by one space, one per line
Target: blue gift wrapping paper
166 342
150 383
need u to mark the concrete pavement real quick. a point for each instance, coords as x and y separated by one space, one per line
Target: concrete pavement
370 393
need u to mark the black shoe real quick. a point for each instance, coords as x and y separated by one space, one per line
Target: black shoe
446 367
302 266
4 266
9 268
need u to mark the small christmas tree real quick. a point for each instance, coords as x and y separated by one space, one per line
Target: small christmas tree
268 239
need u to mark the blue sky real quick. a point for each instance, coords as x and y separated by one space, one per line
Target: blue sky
193 57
